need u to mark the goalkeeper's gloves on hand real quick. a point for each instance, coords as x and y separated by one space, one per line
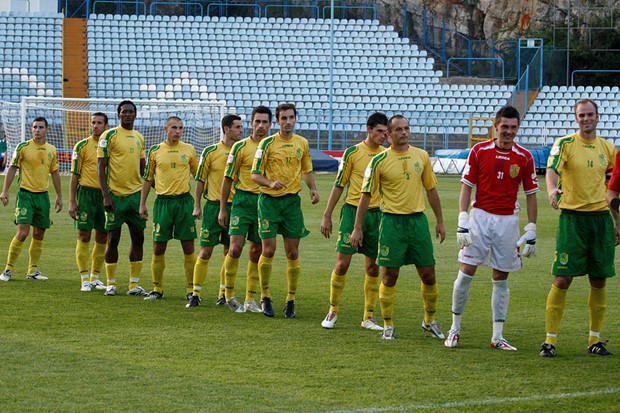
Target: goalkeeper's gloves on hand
463 233
529 238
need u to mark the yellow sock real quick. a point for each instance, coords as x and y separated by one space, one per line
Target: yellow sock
293 270
110 272
135 268
230 269
386 297
158 265
97 260
14 250
34 255
429 297
336 285
222 293
556 300
597 301
200 274
264 274
188 266
371 291
252 281
81 257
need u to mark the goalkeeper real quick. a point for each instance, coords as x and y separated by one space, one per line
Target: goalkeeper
490 234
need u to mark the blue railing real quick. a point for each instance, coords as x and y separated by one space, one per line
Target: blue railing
189 6
472 59
572 76
314 10
119 4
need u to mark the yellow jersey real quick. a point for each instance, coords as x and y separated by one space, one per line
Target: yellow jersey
283 160
124 149
401 178
170 167
239 165
84 162
582 166
211 170
351 170
35 163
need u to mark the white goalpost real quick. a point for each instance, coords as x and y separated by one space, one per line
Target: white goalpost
69 121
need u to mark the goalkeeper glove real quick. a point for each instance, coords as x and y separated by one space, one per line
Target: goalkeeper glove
529 238
463 234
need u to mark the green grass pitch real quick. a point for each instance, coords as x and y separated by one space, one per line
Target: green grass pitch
64 350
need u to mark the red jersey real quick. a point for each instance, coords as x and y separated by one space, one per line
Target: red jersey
614 182
497 174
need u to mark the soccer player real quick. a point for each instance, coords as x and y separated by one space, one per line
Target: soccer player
354 162
168 169
281 161
576 172
121 165
209 184
496 168
243 217
400 174
86 205
35 159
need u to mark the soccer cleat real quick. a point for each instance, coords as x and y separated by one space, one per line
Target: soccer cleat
97 285
193 302
251 306
235 306
6 275
154 295
110 290
189 296
221 301
138 291
289 310
599 349
267 307
453 339
434 329
371 324
388 333
86 288
330 320
502 344
548 350
36 276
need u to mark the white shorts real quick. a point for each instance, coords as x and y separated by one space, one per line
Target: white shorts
495 241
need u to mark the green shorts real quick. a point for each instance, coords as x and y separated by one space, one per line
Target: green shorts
244 216
172 218
281 215
404 240
585 245
370 230
126 209
33 208
212 232
90 209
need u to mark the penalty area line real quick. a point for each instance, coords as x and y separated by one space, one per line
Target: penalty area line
472 403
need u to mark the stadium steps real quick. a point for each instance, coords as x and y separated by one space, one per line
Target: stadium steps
74 63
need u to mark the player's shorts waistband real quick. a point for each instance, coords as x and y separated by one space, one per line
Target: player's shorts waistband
90 188
415 214
377 209
239 191
217 202
584 213
32 192
282 196
185 195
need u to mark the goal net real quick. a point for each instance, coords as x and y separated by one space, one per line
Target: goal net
69 121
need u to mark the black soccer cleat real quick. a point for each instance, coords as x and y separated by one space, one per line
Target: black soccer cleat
193 302
547 350
289 310
267 307
599 349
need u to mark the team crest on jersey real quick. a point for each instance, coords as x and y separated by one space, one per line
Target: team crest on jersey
347 238
23 211
110 216
514 171
138 147
74 155
602 159
205 233
184 158
367 173
265 224
555 149
83 216
50 156
417 167
230 159
259 154
299 153
234 220
385 250
340 164
564 258
103 143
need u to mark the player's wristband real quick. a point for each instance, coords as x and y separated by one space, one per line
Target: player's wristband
615 204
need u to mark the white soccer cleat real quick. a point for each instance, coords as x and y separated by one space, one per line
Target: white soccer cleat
388 333
371 324
252 307
330 320
453 339
36 276
138 291
97 285
110 290
86 287
5 276
502 344
434 329
235 306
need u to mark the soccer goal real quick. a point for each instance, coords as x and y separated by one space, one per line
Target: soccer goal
69 121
